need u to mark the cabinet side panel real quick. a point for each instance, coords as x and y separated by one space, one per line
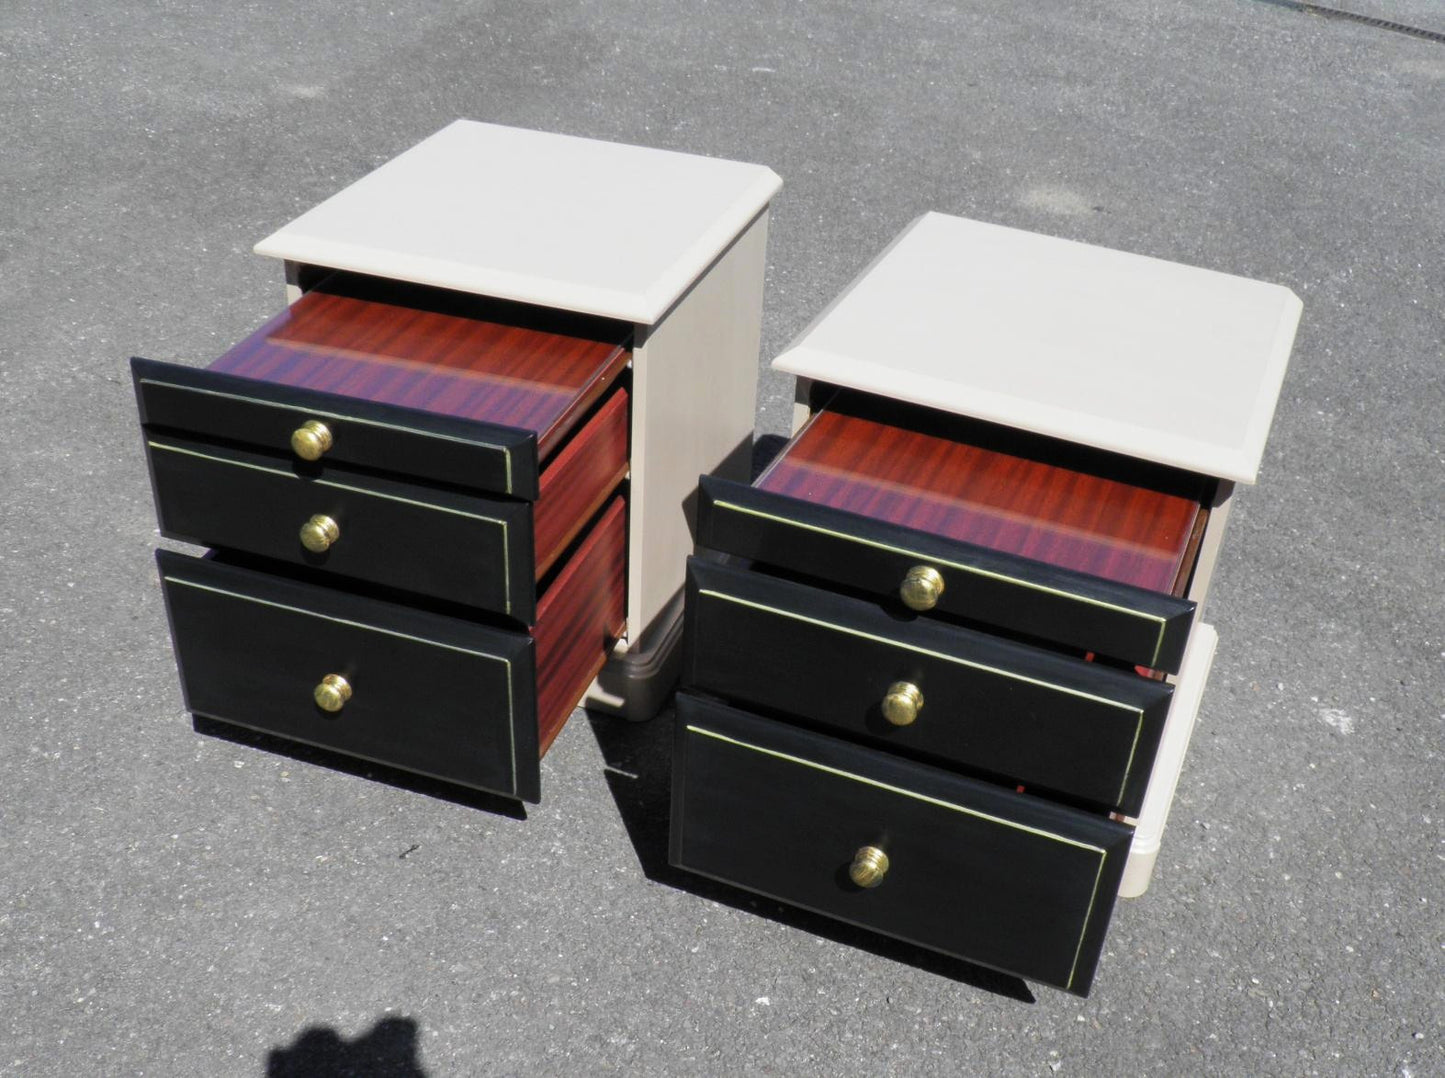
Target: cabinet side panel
694 387
1210 546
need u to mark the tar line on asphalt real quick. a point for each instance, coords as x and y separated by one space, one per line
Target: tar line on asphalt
1351 16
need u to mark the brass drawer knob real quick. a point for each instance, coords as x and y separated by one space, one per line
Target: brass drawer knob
903 703
310 440
332 693
921 588
870 865
318 533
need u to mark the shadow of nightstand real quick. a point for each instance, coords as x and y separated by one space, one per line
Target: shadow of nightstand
425 785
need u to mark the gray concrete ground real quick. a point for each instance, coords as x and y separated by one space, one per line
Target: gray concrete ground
178 904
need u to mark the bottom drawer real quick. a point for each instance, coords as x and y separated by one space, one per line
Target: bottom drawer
977 871
427 693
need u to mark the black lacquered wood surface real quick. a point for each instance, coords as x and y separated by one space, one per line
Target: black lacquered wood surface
377 436
998 878
431 694
437 542
1025 715
986 586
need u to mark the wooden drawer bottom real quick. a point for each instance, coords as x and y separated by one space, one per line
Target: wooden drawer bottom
1002 879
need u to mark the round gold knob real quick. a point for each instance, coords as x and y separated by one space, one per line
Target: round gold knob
903 703
332 694
870 865
921 588
318 533
311 439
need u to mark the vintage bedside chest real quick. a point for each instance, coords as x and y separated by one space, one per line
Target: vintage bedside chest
941 682
445 488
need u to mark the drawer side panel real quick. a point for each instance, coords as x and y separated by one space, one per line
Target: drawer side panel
579 619
579 479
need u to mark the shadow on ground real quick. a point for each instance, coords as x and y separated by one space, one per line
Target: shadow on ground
387 1050
365 769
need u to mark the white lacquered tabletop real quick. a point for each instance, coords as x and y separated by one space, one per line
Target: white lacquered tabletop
572 223
1158 360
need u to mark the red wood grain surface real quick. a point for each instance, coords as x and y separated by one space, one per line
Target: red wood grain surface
578 480
514 375
1038 510
579 619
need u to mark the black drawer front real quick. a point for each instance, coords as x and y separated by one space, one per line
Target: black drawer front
430 694
440 543
1001 879
407 441
1027 715
1017 594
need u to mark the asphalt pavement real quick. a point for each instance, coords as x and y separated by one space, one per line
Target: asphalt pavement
174 902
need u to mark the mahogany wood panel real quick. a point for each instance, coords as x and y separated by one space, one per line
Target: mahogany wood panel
579 619
1091 523
578 480
410 347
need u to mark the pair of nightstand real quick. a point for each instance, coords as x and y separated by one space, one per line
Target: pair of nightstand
943 659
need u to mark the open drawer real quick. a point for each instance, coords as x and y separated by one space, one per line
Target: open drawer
950 517
949 695
392 435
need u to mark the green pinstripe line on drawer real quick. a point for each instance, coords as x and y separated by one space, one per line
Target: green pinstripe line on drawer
1137 712
1133 751
511 728
920 650
931 559
1088 914
506 452
330 483
1038 832
506 546
900 790
506 663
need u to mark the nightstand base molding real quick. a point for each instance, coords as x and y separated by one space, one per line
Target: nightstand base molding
637 681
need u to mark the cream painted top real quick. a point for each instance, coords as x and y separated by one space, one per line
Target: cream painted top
572 223
1161 361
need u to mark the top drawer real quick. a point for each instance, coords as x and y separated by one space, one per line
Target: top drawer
266 416
1085 550
398 378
